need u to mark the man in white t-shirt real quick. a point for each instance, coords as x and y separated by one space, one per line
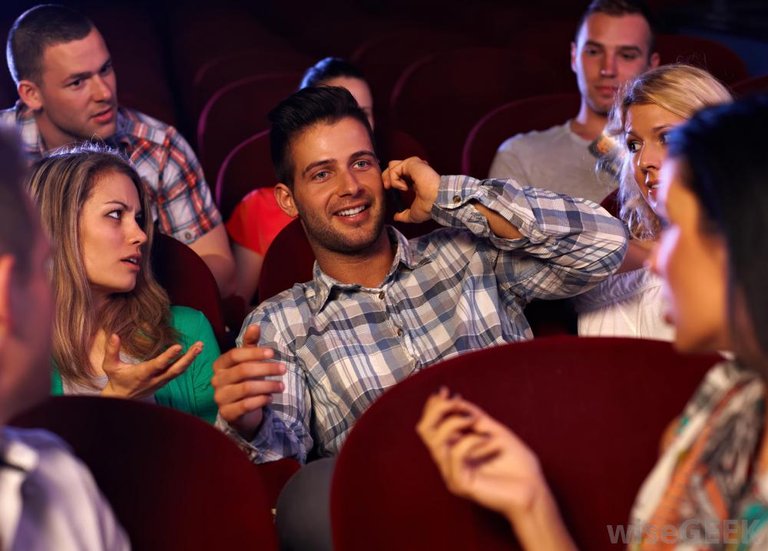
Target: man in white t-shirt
613 43
48 499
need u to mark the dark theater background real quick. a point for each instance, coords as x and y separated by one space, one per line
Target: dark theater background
172 56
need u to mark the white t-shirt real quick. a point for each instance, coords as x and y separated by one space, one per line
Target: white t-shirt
555 159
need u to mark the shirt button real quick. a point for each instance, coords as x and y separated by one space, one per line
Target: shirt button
399 332
381 295
456 199
188 236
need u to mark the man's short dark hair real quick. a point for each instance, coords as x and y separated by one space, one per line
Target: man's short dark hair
18 227
617 8
34 31
300 111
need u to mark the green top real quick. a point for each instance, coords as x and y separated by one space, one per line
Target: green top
191 391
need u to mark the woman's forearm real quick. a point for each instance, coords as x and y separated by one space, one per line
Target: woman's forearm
541 528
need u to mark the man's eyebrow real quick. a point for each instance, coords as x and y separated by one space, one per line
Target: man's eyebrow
79 76
88 74
631 48
593 43
316 164
362 153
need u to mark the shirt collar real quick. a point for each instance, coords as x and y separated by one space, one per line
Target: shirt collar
322 286
16 454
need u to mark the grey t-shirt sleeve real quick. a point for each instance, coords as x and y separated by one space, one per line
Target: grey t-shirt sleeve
506 164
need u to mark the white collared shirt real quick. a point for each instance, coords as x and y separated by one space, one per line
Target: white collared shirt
48 498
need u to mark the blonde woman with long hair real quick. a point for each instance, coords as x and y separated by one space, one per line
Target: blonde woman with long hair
649 106
115 333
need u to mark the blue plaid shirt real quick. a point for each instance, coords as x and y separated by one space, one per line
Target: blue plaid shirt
457 289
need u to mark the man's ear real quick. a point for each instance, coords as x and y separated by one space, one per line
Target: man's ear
284 198
30 95
654 60
6 285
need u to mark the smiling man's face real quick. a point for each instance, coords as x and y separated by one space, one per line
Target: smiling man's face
337 188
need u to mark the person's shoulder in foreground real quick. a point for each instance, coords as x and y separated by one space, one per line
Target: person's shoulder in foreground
53 497
47 498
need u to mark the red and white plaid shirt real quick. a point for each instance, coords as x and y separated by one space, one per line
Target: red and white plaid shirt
181 199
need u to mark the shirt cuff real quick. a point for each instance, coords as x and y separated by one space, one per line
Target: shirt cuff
452 207
253 448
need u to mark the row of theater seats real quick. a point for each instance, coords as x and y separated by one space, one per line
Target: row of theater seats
593 410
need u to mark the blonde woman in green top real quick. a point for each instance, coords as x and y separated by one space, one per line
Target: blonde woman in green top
115 333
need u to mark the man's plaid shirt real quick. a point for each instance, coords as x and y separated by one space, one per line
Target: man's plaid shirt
181 200
457 289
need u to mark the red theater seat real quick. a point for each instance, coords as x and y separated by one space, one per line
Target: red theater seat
237 111
289 260
230 67
247 167
188 281
174 482
384 57
439 98
754 85
713 56
593 410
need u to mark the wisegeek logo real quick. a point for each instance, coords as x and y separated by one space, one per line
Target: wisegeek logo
693 531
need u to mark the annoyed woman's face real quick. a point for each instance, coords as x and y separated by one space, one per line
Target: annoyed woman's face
645 129
111 235
693 264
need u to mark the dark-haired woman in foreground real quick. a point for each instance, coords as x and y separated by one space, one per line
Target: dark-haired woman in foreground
712 256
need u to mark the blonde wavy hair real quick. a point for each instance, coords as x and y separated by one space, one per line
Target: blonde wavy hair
60 184
678 88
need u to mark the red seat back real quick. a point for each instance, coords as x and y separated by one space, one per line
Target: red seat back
438 99
524 115
233 66
593 410
385 56
713 56
747 86
188 281
611 203
174 482
247 167
237 111
289 260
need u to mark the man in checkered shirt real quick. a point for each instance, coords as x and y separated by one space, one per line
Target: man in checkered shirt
68 93
381 307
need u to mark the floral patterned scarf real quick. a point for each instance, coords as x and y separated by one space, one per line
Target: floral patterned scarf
704 492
